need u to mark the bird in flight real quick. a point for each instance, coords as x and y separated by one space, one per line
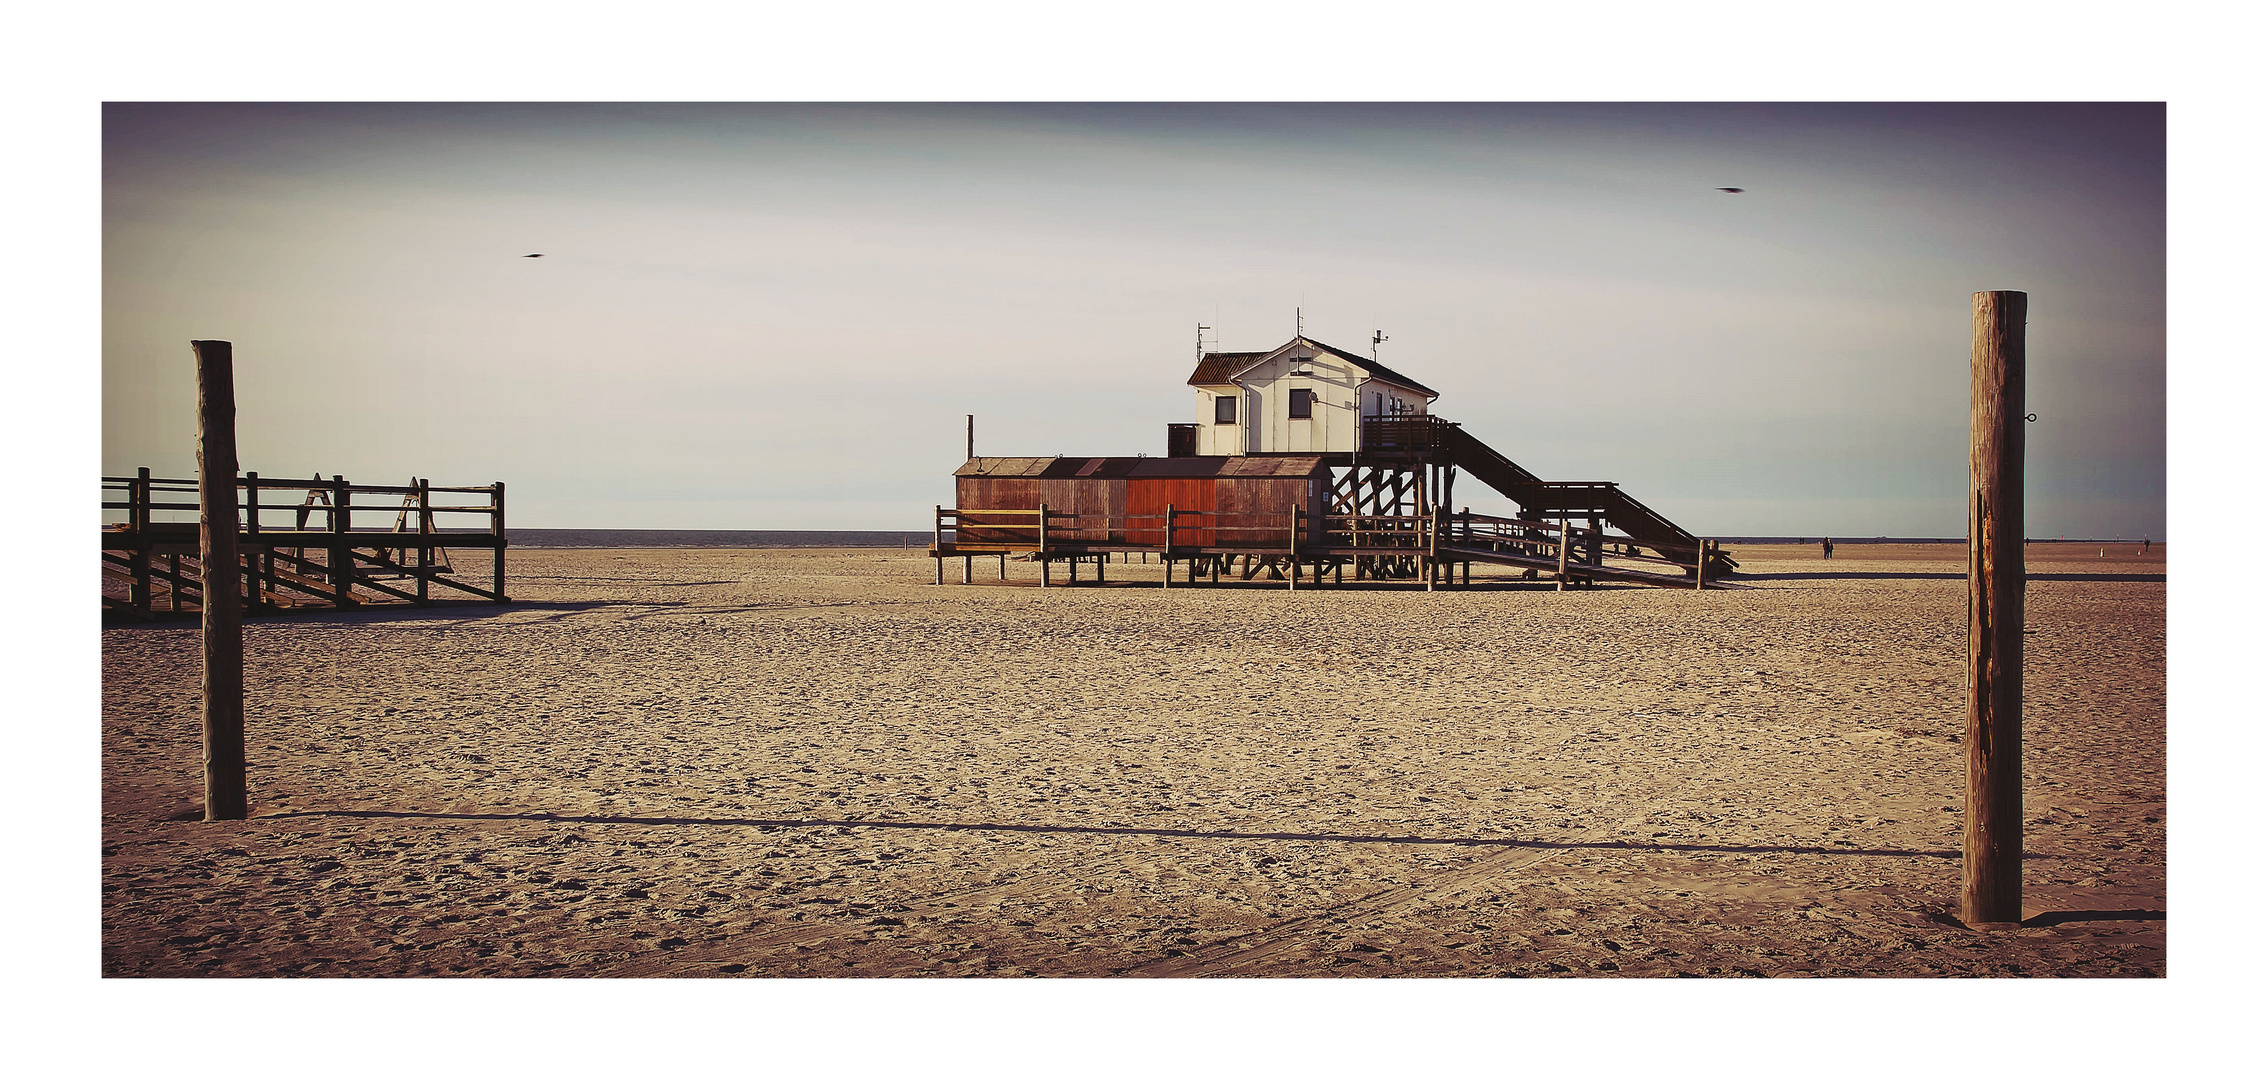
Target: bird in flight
537 255
1732 190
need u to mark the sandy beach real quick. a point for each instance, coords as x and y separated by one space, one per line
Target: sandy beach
802 762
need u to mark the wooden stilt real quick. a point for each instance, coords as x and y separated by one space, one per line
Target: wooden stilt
1992 844
496 528
221 619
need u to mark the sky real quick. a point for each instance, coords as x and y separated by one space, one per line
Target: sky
777 316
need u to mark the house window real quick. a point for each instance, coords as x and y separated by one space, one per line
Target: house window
1302 404
1224 409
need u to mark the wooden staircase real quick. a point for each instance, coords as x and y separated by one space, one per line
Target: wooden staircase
1431 438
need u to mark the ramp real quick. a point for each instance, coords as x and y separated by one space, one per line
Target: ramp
1448 443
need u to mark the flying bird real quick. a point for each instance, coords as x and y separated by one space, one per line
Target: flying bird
1732 190
538 255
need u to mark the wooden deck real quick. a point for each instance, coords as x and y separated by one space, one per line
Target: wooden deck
1425 550
323 559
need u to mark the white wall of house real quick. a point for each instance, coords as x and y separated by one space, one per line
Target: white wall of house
1264 423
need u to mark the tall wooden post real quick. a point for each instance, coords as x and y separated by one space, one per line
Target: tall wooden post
496 524
937 541
222 620
1700 565
1045 565
1992 847
972 436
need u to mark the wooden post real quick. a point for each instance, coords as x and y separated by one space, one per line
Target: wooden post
1167 556
138 521
1992 846
1700 565
341 557
424 537
972 436
937 541
222 622
1293 548
1562 585
251 572
496 525
1045 566
968 569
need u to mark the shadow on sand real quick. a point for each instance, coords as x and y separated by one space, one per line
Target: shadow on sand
456 611
1932 575
1110 830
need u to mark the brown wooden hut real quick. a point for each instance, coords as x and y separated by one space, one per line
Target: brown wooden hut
1219 502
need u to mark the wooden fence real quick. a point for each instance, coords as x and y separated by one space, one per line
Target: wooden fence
301 543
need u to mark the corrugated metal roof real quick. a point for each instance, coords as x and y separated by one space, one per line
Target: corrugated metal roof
1056 468
1216 369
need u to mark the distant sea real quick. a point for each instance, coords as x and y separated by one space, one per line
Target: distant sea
717 538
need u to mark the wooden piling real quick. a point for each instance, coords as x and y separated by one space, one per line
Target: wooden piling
496 528
1992 845
1561 586
1292 547
341 556
1166 555
1700 565
138 522
424 529
222 620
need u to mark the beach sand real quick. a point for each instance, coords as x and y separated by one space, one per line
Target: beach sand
705 762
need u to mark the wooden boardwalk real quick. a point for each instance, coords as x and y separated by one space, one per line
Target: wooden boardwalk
1426 549
300 544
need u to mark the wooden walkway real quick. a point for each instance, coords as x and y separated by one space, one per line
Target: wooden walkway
300 544
1428 550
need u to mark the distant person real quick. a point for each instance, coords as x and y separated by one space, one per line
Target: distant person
1826 548
2145 545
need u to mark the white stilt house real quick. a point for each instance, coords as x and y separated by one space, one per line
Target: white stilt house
1302 397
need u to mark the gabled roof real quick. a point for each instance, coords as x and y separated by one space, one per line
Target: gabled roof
1219 368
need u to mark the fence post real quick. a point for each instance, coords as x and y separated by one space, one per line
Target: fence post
1046 567
1166 556
1700 565
341 556
496 525
251 559
222 621
424 537
1992 845
138 519
1562 585
1293 546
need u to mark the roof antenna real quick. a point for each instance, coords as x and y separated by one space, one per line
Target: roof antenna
1377 338
1298 324
1201 328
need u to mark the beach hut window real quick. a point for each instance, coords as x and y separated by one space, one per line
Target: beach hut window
1302 404
1224 409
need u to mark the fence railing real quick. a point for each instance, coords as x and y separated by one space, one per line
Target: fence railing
302 542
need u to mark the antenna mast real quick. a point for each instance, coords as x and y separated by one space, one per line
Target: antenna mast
1298 323
1377 338
1201 328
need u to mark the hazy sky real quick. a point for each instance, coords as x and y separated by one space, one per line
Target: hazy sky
775 317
